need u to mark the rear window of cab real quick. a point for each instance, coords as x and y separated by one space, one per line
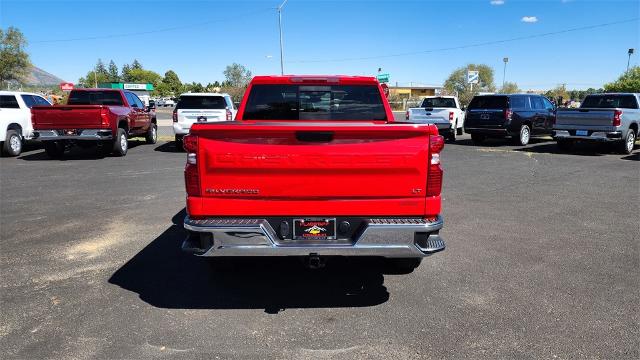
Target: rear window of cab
202 102
489 102
314 102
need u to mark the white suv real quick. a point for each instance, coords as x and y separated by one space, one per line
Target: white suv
15 119
201 107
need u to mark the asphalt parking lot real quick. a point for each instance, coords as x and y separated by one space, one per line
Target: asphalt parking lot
542 261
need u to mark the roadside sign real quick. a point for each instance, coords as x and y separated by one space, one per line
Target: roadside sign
135 86
383 78
66 86
473 77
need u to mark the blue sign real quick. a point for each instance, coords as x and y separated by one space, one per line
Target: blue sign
473 77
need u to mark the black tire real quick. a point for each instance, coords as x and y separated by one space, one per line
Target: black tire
478 138
152 134
628 142
178 143
451 136
404 265
459 131
565 144
12 143
54 149
120 143
523 136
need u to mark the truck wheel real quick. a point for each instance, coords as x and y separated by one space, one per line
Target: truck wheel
565 144
524 136
452 133
54 149
12 144
404 265
459 131
178 142
477 138
626 146
121 143
152 134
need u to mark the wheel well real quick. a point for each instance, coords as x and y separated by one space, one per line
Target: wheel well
124 124
154 121
634 126
16 127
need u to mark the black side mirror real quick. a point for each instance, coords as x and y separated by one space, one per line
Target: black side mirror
464 108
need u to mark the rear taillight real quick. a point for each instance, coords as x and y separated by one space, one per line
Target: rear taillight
191 174
104 116
229 115
450 116
434 177
508 113
175 115
617 118
406 115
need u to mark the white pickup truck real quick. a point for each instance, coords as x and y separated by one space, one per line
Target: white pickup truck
443 111
15 119
613 117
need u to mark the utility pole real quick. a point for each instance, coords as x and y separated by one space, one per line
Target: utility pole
504 72
95 78
280 27
629 59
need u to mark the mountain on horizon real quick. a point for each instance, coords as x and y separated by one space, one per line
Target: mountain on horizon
39 77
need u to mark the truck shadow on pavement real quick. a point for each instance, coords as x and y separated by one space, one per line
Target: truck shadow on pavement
165 277
579 149
90 152
170 146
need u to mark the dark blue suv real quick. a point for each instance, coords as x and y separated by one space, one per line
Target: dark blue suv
517 116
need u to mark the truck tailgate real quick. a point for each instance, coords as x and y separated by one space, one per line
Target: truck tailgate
311 168
67 116
430 115
584 117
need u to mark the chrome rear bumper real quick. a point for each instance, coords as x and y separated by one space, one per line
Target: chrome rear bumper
395 238
81 134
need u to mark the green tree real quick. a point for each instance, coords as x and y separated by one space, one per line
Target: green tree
237 75
126 68
98 75
627 82
457 82
172 82
113 72
557 92
136 65
144 76
509 88
14 60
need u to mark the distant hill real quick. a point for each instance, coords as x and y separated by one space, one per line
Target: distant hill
39 77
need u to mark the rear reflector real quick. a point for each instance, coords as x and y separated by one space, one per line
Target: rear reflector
175 115
617 118
192 180
190 143
450 116
434 176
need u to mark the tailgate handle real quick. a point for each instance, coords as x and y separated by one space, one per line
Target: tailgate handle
314 136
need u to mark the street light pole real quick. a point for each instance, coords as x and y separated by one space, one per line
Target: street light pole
280 27
629 59
504 72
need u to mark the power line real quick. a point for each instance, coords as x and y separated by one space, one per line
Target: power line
111 36
589 27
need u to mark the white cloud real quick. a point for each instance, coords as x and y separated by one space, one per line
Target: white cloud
497 2
529 19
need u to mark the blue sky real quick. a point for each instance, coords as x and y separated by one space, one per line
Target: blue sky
197 39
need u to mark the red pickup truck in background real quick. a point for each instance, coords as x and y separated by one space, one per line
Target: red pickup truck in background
104 117
314 166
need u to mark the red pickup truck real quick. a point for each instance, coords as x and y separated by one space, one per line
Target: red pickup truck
314 166
105 117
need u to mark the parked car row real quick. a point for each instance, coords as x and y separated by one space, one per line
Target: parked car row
613 117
